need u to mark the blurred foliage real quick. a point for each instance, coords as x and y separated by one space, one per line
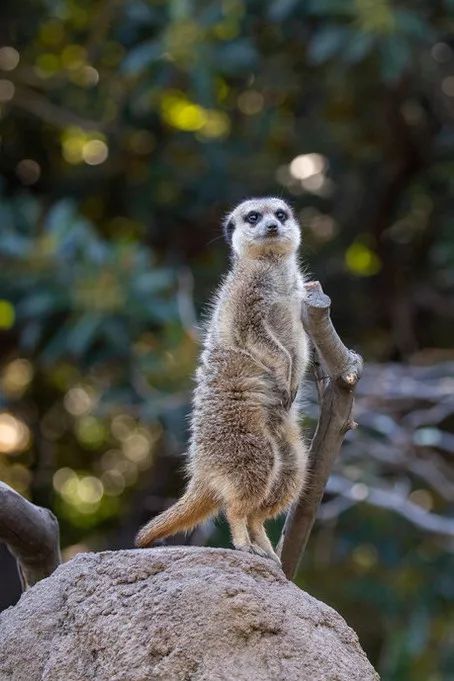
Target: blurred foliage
126 130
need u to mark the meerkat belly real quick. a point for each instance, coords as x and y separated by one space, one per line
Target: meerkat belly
231 378
285 320
232 403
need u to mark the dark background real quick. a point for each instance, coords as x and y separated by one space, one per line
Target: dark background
127 130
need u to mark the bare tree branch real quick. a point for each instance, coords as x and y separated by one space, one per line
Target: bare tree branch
393 500
332 509
31 534
40 106
433 472
337 371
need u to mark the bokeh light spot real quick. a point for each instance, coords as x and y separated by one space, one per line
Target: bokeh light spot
422 498
28 171
16 377
217 124
361 260
95 152
79 146
307 165
78 401
365 556
91 431
7 90
14 434
47 65
441 53
179 112
90 489
447 85
52 33
250 102
73 56
9 58
7 315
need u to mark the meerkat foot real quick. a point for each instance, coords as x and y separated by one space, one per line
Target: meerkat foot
260 539
251 548
246 548
266 553
258 550
274 557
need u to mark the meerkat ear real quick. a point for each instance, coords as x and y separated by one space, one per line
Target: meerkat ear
228 228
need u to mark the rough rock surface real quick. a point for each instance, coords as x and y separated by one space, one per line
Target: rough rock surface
175 614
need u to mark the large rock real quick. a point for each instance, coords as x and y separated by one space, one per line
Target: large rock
175 614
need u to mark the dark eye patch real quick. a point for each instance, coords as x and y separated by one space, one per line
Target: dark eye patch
252 217
281 215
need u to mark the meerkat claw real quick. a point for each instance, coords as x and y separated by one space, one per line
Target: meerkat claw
259 551
252 548
275 558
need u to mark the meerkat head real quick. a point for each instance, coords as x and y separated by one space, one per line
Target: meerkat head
262 226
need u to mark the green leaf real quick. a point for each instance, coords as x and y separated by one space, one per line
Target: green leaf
358 47
395 57
60 218
41 304
150 282
414 26
83 334
14 245
326 43
142 56
30 336
239 54
330 7
281 9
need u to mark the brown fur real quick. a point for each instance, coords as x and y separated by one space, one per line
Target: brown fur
246 454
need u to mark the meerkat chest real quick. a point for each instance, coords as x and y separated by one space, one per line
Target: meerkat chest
285 317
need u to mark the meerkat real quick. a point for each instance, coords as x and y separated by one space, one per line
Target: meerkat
246 455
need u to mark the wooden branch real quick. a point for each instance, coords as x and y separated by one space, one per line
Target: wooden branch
337 371
393 500
42 107
31 534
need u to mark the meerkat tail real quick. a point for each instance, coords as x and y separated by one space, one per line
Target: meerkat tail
195 506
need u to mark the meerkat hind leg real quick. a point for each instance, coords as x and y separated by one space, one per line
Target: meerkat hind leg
240 535
260 538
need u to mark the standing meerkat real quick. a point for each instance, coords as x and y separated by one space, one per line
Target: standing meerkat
246 454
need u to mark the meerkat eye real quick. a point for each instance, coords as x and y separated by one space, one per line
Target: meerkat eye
252 217
281 215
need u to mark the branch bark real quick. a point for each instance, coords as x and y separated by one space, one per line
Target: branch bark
31 533
337 371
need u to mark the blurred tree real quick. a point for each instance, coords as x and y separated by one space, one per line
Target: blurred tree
126 130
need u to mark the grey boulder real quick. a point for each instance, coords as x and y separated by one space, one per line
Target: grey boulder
175 614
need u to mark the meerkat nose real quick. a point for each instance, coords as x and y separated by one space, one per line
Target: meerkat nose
272 228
